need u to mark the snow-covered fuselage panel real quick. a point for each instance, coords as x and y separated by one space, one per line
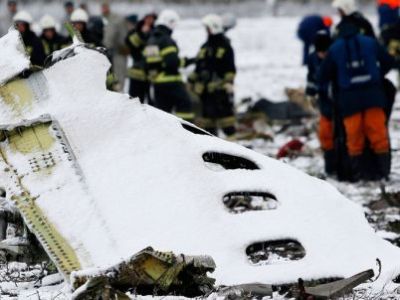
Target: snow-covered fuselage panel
146 178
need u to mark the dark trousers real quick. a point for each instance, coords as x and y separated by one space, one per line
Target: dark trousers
218 111
139 89
173 97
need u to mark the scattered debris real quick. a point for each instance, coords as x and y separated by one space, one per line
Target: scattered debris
245 291
290 149
334 289
148 272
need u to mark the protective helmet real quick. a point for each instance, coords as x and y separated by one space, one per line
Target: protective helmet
213 23
327 20
23 16
47 22
79 15
347 6
168 18
229 21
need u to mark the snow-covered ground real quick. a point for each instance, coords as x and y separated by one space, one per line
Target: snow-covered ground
268 59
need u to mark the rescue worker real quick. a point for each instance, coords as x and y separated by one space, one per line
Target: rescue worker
51 39
388 12
69 9
162 66
349 15
357 64
321 95
307 30
6 20
114 40
33 44
79 20
136 40
390 38
213 78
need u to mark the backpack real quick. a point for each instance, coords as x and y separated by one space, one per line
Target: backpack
360 63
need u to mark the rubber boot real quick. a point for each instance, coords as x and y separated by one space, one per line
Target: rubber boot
356 168
330 162
384 165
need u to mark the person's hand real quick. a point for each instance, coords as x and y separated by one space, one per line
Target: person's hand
198 88
229 88
146 28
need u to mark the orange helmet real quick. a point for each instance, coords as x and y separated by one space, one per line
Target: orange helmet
327 21
392 3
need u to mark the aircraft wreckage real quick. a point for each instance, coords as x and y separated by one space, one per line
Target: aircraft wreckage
97 177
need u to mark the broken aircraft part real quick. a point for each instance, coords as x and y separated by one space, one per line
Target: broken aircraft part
151 272
98 176
339 288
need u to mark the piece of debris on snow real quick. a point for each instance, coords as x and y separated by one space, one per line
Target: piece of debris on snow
338 288
97 177
150 272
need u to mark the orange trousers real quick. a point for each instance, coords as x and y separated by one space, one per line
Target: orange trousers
369 124
325 133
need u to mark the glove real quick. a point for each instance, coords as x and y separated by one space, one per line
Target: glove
213 86
229 88
198 88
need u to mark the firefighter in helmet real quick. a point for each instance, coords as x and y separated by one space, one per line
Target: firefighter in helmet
213 78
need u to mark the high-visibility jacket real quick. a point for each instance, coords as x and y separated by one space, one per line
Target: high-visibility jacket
136 41
215 64
58 42
162 57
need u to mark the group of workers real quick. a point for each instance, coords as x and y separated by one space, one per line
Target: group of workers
155 75
346 73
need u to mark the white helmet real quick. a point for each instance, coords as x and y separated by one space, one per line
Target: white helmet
347 6
47 22
79 15
23 16
168 18
213 23
229 21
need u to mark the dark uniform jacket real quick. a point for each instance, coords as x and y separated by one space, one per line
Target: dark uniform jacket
89 38
58 42
307 30
162 57
388 14
215 63
34 47
136 41
357 65
314 88
391 39
359 21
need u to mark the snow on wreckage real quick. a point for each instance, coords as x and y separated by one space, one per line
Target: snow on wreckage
98 177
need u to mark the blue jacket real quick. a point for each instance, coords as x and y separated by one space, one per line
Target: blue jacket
308 28
356 64
314 88
387 15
